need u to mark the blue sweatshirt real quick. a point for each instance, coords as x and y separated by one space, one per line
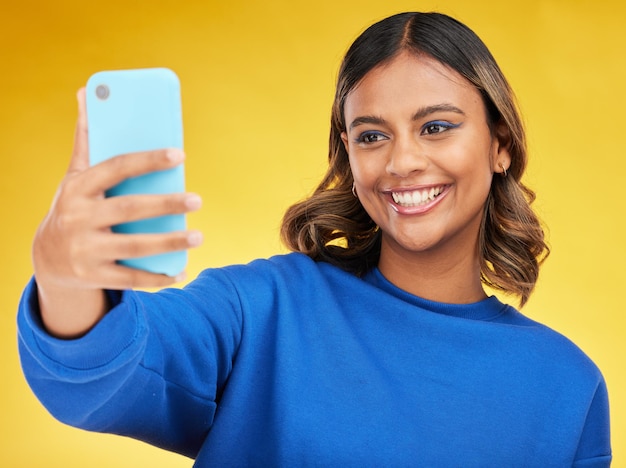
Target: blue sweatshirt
289 362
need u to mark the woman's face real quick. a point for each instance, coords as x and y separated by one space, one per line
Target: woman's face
422 154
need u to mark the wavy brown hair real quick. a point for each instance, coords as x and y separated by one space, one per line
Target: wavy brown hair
332 225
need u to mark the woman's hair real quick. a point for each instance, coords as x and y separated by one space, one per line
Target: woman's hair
332 225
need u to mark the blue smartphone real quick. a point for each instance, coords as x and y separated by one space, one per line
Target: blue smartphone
140 110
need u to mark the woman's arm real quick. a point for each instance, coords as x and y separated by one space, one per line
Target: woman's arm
151 369
594 447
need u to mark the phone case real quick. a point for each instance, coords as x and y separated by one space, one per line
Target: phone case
139 110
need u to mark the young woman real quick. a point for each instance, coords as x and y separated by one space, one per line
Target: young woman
374 343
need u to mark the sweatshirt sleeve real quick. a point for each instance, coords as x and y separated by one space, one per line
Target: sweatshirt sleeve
594 448
151 369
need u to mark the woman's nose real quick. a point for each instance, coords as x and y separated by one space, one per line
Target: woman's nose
406 156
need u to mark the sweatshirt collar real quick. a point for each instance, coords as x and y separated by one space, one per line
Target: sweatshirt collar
485 310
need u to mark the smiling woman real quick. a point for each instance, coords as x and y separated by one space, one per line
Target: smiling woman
428 245
408 97
382 349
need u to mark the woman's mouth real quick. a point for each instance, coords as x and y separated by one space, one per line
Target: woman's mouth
418 197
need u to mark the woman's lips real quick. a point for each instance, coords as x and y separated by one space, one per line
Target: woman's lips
419 200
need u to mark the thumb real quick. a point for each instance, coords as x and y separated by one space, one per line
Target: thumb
80 155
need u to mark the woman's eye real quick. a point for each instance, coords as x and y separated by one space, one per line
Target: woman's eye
370 137
433 128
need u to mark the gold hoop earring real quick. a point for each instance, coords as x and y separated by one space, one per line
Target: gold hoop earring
504 173
354 190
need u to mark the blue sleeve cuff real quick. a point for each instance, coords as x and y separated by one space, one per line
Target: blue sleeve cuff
118 338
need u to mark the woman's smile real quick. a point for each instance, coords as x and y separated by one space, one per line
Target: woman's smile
408 201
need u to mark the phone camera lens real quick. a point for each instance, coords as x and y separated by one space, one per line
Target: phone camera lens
102 92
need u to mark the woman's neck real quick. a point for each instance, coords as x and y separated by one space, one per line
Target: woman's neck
446 275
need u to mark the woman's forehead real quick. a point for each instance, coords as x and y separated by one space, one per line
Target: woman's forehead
410 79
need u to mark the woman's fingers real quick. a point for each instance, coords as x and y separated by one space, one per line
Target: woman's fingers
121 277
112 275
122 209
107 174
125 246
80 155
91 260
118 277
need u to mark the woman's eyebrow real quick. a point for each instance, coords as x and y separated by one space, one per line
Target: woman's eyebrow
367 119
420 114
426 111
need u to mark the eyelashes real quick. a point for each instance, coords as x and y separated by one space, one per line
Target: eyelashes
437 126
371 137
434 127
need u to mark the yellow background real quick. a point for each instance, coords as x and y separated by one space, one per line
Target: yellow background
257 83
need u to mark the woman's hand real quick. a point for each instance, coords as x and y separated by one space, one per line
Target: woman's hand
75 251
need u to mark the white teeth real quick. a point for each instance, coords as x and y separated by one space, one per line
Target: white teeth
416 197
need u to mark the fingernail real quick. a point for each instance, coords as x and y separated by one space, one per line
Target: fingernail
193 201
175 155
194 238
182 276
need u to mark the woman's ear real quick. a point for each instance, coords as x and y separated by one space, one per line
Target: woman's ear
501 148
344 138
